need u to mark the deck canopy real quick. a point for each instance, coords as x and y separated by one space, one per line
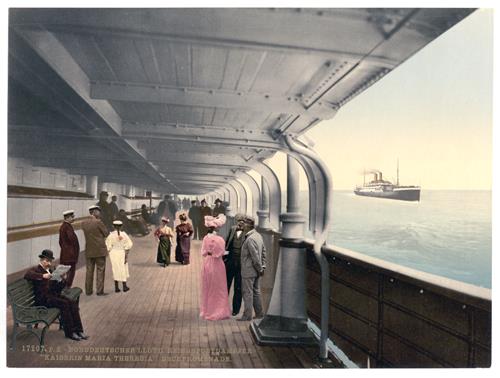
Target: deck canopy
186 100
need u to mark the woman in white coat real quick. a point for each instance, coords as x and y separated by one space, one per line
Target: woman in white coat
118 244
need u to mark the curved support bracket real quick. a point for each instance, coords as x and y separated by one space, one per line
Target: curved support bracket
254 188
242 193
274 192
315 167
226 193
312 180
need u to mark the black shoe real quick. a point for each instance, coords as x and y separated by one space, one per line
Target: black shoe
74 336
101 294
82 336
260 316
244 319
88 293
125 287
234 313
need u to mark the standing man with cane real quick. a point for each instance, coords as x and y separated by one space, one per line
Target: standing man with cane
95 250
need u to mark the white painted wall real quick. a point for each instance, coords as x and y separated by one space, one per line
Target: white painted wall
23 172
26 210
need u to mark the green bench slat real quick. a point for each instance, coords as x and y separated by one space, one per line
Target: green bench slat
21 294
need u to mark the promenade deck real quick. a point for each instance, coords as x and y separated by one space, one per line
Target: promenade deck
155 324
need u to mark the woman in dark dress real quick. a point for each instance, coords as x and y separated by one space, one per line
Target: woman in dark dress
184 231
164 235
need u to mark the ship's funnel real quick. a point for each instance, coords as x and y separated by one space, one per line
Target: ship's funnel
374 176
380 176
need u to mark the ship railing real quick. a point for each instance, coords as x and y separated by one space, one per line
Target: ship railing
394 316
386 315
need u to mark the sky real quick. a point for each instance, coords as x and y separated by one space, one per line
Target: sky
433 113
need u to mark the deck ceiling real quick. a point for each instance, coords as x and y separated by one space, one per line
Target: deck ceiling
158 96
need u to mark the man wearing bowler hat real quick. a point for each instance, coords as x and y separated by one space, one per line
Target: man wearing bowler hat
95 250
48 294
70 248
218 208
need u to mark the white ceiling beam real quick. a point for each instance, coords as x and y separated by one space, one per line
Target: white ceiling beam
205 97
203 134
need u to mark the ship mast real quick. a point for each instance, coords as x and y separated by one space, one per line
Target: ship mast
397 173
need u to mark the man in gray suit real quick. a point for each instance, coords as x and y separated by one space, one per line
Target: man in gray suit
253 264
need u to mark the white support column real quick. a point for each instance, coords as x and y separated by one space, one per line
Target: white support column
92 186
286 319
263 212
233 201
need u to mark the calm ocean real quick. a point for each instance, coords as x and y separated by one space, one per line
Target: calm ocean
447 233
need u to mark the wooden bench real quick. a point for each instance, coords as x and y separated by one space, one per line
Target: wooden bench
22 299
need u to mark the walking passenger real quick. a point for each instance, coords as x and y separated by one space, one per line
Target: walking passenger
219 208
204 211
70 248
105 210
164 235
194 215
95 250
214 299
161 210
119 245
113 208
184 231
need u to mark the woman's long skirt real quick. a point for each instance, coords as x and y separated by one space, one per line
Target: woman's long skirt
182 249
163 255
178 251
118 266
214 297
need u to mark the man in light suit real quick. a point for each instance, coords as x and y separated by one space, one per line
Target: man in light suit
253 264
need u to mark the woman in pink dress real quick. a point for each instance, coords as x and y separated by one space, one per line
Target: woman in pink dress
214 298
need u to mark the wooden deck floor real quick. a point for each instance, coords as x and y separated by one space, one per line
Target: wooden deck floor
155 324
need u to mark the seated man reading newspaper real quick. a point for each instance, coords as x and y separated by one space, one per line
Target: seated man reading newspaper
47 287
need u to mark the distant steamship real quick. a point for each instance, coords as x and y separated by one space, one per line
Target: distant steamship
385 189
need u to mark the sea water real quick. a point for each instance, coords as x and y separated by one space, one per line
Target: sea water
447 233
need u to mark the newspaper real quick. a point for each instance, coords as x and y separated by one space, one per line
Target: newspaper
60 270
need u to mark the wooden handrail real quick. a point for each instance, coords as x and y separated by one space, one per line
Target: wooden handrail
28 191
30 231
